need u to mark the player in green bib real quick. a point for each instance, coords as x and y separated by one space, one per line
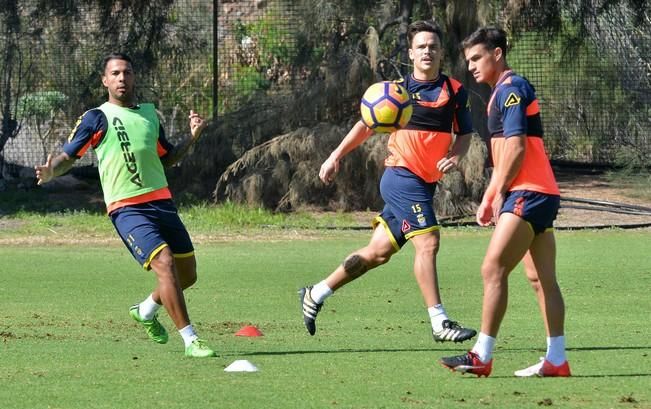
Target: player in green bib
132 153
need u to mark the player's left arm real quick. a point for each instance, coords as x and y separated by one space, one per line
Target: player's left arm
175 153
462 127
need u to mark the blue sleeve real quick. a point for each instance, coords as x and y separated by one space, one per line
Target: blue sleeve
164 144
462 115
512 102
88 132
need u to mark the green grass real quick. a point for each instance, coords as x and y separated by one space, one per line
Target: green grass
68 342
29 219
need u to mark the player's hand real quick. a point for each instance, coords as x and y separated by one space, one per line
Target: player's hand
328 170
447 164
197 124
498 201
485 214
44 173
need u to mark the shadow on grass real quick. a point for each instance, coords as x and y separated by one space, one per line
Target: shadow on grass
451 349
346 351
575 375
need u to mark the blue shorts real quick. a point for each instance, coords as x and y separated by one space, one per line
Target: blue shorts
409 207
539 210
147 228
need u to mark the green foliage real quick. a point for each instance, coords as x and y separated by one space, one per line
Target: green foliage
264 53
275 41
584 105
41 106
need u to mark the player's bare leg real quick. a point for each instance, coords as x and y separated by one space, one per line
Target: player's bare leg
174 275
443 328
186 268
169 289
509 243
377 252
427 247
540 268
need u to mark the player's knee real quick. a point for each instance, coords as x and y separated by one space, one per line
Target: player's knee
428 245
354 265
491 272
163 261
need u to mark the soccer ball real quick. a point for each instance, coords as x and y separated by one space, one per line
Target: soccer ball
386 107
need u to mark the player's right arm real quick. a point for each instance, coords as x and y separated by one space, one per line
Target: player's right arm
355 137
88 132
53 167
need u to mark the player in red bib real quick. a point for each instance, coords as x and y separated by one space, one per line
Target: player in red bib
419 156
522 200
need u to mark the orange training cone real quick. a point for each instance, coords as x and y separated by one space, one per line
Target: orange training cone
249 331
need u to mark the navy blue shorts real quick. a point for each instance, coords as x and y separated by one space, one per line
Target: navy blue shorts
537 209
147 228
409 207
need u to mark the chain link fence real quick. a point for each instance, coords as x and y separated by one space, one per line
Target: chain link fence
50 56
224 57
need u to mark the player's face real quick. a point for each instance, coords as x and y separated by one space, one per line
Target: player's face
484 64
119 79
426 52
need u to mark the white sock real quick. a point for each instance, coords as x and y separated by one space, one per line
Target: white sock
320 292
484 347
188 334
556 350
148 308
437 315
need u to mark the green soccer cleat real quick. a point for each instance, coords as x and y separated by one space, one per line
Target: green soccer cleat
198 349
154 328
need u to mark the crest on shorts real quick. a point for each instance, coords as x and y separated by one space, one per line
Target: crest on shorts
512 100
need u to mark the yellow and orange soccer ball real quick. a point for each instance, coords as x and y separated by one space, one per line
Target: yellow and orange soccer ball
386 107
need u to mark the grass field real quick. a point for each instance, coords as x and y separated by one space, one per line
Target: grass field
68 342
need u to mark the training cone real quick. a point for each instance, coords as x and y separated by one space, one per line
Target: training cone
241 365
249 331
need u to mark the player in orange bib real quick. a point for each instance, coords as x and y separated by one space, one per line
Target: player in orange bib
419 156
522 200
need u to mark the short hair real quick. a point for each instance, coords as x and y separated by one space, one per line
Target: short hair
419 26
491 37
115 56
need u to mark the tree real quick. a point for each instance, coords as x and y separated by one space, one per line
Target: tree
41 110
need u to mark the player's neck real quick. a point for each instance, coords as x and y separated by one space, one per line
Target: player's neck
499 76
429 75
122 104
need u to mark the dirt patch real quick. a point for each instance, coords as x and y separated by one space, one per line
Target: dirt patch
596 187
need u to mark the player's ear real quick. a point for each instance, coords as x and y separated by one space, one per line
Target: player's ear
498 53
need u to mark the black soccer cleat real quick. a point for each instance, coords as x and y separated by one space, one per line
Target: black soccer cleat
310 309
454 332
467 363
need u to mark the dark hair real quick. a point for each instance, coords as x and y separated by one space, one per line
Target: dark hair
491 37
419 26
115 56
